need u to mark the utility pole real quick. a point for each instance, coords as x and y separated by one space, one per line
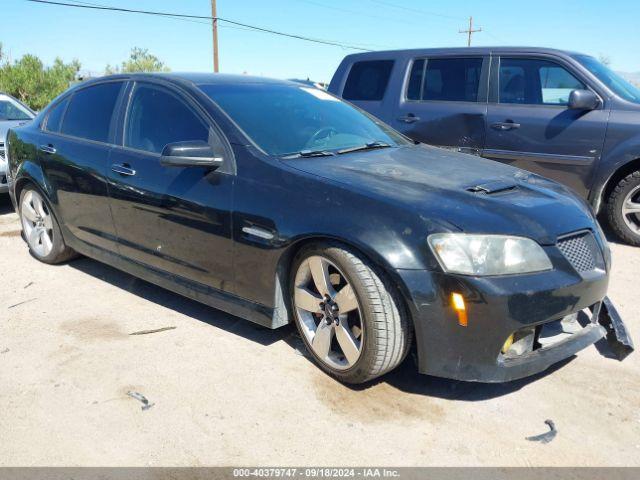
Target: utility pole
470 31
214 25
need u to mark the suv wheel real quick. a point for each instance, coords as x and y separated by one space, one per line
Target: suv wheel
623 209
349 318
40 228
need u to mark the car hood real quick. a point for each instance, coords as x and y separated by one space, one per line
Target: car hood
466 192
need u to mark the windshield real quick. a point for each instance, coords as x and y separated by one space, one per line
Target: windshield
11 111
611 79
288 119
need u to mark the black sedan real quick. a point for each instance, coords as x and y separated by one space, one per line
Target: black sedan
278 202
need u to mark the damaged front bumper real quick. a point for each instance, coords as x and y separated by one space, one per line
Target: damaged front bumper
517 327
563 338
617 334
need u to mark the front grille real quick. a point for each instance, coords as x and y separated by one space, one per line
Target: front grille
1 150
582 251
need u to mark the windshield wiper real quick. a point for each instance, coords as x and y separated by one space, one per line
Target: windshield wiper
367 146
309 153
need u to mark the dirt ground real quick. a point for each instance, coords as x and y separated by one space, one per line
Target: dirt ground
226 392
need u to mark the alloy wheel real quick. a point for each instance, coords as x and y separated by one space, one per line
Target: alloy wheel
631 210
37 223
328 312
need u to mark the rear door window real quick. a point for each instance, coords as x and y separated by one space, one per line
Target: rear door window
157 117
90 110
368 80
445 79
535 82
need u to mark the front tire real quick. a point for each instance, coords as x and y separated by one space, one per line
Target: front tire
623 209
40 228
349 317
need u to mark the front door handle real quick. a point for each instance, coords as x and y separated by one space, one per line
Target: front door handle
123 169
47 149
410 118
505 126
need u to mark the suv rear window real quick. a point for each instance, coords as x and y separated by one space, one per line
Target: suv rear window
90 110
446 79
368 80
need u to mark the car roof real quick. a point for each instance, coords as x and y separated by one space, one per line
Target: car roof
464 51
193 78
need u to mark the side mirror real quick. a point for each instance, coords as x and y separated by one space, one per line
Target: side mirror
583 100
190 154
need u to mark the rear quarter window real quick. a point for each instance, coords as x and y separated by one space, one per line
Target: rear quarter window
368 80
54 118
90 110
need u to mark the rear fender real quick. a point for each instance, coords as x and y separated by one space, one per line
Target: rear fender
31 172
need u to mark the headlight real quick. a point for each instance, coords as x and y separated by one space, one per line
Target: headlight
488 254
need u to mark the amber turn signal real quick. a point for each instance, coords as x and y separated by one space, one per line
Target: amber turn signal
457 301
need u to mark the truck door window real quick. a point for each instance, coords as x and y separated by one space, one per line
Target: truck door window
535 82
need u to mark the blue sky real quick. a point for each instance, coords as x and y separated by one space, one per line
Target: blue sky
99 38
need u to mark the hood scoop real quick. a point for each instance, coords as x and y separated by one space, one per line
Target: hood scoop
491 187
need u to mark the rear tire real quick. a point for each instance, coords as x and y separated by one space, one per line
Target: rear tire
623 209
40 228
361 303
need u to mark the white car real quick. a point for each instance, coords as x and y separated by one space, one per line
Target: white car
12 114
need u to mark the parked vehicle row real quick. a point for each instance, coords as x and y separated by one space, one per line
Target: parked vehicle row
560 114
279 202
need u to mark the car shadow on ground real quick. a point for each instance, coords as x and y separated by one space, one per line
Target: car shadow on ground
181 304
405 378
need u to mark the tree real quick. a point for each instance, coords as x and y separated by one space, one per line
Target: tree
31 82
140 60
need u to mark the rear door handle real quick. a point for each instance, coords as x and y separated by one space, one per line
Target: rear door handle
410 118
505 125
47 149
123 169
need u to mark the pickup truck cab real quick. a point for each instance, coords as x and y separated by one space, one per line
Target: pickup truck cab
560 114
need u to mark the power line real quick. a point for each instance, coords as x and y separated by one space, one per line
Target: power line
415 10
202 17
359 14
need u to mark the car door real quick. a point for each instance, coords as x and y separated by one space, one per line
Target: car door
74 150
170 218
530 125
443 102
